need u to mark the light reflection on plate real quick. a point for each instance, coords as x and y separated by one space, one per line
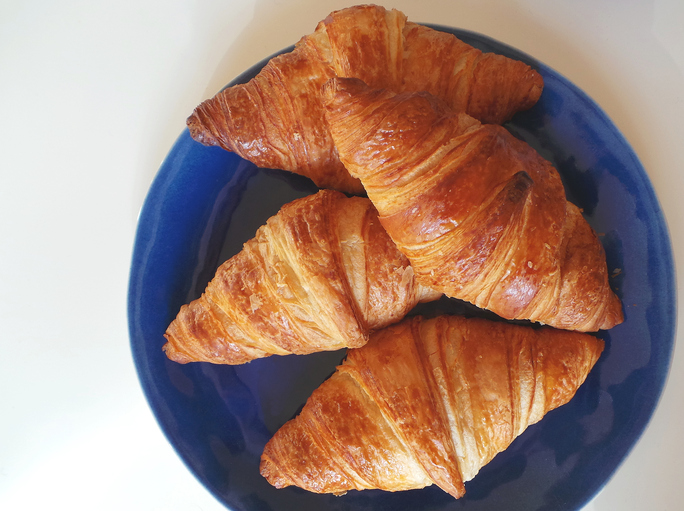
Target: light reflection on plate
205 203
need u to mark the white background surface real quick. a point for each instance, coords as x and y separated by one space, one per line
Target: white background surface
93 95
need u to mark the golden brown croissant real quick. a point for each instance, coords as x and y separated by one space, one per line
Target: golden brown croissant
480 214
427 402
276 120
318 276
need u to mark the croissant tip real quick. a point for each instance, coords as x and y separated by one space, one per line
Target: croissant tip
614 317
198 130
269 471
174 355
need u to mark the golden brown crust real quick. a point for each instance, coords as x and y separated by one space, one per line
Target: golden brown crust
318 276
276 120
427 402
487 86
367 42
480 215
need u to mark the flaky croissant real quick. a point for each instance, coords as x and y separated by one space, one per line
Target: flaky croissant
480 214
318 276
427 402
276 120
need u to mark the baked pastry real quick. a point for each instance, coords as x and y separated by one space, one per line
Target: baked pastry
480 214
318 276
276 120
427 402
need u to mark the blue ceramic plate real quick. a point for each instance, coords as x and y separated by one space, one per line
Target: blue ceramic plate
206 202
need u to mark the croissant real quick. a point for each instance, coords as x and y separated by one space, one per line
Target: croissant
480 214
427 402
318 276
276 120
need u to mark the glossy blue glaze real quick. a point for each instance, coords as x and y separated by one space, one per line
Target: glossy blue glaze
205 202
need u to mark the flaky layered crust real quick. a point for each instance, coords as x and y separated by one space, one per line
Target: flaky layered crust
319 276
481 216
427 402
486 86
276 120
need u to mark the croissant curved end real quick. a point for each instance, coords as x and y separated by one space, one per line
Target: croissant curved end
199 131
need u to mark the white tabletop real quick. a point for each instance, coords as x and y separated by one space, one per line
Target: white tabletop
93 95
